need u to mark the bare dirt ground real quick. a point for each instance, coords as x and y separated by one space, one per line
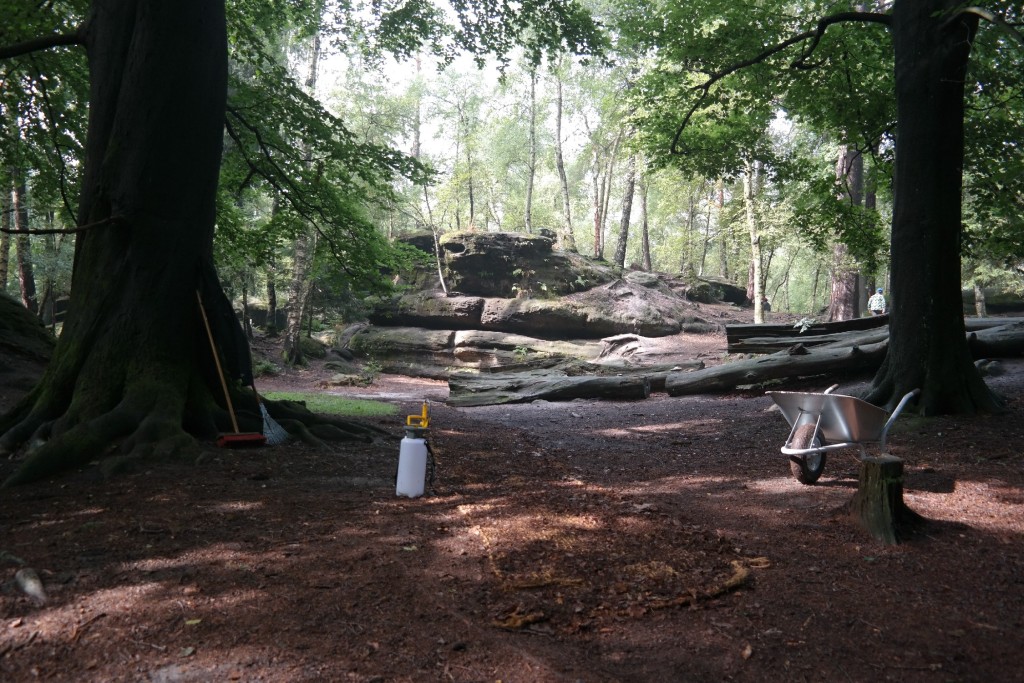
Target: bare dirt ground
658 540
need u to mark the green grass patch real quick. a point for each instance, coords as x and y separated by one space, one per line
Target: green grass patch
329 404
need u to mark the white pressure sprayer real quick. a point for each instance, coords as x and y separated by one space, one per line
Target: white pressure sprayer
413 456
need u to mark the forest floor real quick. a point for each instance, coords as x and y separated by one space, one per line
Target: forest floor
656 540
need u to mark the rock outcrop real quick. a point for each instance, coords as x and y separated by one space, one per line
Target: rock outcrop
511 299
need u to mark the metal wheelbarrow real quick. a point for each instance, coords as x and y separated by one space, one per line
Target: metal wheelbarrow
827 422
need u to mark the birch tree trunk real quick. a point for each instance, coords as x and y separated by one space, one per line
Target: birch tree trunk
645 236
566 238
531 167
750 182
5 240
23 246
723 238
305 250
627 208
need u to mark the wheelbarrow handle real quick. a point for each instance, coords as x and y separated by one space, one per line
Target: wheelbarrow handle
896 413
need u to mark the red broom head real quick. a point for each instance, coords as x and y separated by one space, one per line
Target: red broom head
246 440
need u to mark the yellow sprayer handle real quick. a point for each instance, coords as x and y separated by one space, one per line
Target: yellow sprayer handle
421 420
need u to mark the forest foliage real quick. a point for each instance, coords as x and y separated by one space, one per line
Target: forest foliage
521 116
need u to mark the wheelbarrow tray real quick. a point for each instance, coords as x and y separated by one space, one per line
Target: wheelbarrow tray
827 422
840 421
843 418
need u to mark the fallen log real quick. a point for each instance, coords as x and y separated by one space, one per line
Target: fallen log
1006 341
523 387
801 362
655 374
735 334
765 345
770 338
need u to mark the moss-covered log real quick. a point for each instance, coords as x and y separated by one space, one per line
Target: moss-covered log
497 389
776 366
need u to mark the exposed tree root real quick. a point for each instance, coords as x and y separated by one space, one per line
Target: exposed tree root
739 577
156 424
73 448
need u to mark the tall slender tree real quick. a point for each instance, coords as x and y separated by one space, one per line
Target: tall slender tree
5 239
531 164
304 246
629 189
645 232
565 236
845 276
23 244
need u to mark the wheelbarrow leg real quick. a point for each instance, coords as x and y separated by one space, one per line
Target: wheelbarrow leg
892 418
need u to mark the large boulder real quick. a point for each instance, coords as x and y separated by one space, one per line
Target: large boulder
650 309
25 348
429 309
510 265
718 289
518 284
435 353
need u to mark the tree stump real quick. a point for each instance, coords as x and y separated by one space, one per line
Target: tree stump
878 504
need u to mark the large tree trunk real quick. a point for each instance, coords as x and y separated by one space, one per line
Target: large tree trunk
845 278
128 366
843 299
927 347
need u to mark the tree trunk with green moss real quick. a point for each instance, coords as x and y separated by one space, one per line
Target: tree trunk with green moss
133 365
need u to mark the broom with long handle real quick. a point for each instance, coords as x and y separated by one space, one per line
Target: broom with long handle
239 439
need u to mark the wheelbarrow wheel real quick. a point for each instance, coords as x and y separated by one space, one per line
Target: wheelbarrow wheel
806 468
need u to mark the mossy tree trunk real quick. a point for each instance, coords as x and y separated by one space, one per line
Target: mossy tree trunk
133 366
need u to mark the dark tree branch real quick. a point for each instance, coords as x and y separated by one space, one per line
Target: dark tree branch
841 18
800 62
43 43
993 18
64 231
44 93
